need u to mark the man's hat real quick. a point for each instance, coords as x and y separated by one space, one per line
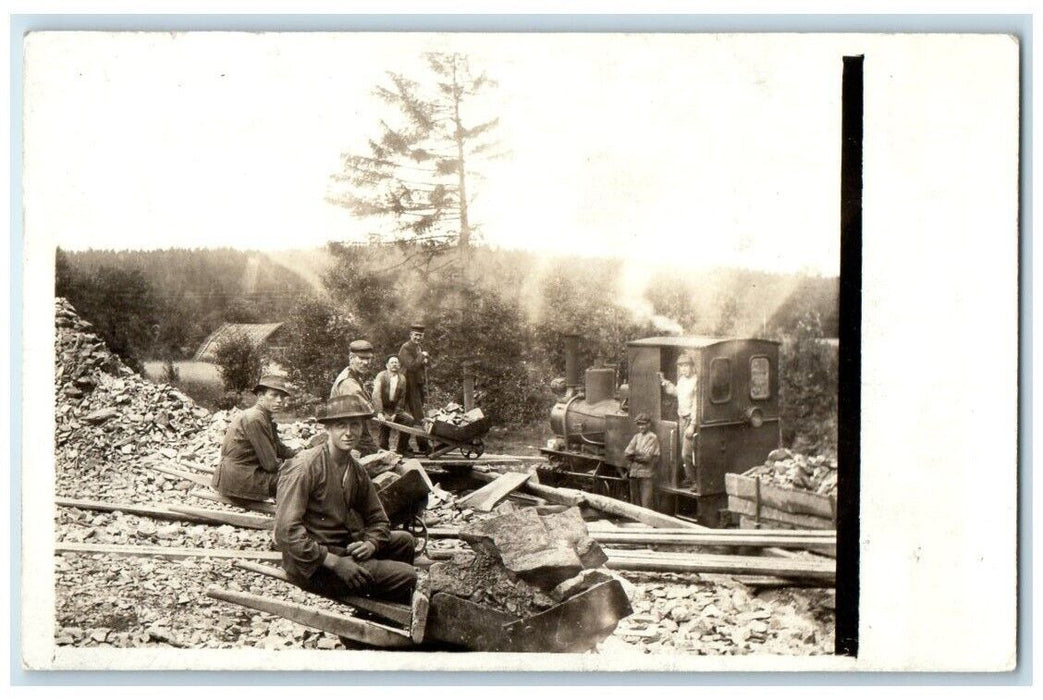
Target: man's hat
271 381
344 406
418 327
684 360
642 418
360 347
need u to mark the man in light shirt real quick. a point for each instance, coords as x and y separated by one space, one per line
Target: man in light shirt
389 400
686 391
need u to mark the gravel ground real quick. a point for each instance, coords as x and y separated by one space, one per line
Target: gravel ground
114 428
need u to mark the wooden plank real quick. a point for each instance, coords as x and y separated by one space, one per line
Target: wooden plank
396 612
575 625
163 512
225 517
707 538
818 569
788 500
185 476
421 606
363 631
744 507
561 497
130 550
487 497
643 515
255 506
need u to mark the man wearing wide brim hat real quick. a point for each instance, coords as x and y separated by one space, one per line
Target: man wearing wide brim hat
354 380
414 360
252 452
330 525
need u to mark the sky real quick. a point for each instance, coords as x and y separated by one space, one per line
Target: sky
694 150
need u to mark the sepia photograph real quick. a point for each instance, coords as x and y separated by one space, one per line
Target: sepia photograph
496 351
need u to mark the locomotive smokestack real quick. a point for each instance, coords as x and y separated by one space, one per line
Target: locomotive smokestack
572 373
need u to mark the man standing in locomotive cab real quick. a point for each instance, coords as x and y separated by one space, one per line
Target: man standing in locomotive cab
642 455
687 411
414 360
353 381
330 525
252 453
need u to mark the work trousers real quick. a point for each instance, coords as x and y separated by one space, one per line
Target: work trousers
641 491
415 403
687 448
391 568
396 415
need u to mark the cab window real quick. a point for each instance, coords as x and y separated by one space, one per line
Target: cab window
720 380
760 378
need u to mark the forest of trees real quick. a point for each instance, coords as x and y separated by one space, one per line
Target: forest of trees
496 315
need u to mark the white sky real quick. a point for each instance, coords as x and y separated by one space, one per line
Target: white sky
722 149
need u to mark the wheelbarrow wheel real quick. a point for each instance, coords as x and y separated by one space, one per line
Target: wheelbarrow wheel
418 529
474 450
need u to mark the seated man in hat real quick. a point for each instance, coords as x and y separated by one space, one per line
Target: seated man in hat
642 455
353 381
329 523
414 361
252 453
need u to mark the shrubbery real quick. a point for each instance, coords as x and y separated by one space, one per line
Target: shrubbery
809 388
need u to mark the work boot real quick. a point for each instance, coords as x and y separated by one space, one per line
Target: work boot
422 561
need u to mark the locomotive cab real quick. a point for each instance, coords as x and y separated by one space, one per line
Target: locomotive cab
736 415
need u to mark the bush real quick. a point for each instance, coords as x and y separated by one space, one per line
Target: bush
240 362
809 388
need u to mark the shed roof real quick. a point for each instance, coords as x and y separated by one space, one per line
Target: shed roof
255 333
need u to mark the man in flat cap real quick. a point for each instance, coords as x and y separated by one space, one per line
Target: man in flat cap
252 452
414 360
642 455
353 381
329 522
686 391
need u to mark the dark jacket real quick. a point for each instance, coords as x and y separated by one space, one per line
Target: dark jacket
323 505
383 399
251 456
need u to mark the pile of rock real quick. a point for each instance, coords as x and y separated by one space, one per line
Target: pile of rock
524 560
454 414
791 470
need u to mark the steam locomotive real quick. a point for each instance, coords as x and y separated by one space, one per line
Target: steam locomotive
736 424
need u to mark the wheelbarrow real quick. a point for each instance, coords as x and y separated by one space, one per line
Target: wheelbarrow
445 437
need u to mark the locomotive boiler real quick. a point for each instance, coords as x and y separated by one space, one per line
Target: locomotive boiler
736 419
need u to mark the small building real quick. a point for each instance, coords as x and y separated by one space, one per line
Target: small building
270 337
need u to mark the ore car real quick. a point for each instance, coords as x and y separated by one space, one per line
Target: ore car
737 421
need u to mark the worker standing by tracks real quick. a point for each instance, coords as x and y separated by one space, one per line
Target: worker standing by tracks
414 361
252 453
330 525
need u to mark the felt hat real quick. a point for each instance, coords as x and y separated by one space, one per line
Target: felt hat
643 418
418 327
360 347
344 406
271 381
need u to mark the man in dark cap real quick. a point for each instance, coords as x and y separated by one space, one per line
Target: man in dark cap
642 455
353 381
329 523
414 360
252 453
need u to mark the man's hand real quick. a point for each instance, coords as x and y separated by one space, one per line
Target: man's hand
351 572
381 416
689 432
360 551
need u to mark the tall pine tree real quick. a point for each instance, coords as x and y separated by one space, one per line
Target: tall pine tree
416 172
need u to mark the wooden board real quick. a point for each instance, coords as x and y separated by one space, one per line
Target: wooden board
363 631
819 569
490 495
788 500
224 517
164 512
184 476
130 550
256 506
396 612
745 507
